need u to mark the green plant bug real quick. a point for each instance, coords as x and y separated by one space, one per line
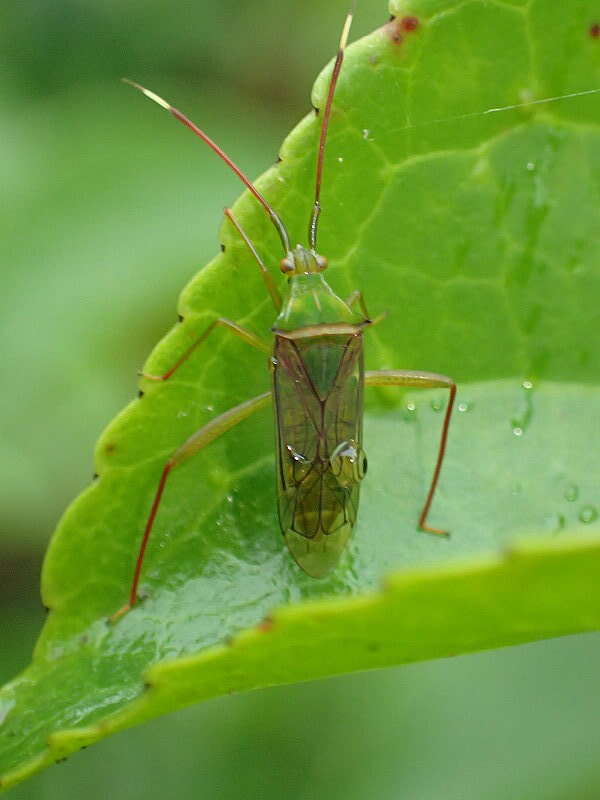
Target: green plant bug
318 378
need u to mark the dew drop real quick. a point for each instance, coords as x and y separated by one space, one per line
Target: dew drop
210 408
341 159
571 493
437 405
517 431
588 514
555 522
464 407
230 498
530 166
181 414
526 96
411 406
527 385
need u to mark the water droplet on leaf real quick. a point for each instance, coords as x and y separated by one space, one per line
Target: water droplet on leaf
571 493
588 514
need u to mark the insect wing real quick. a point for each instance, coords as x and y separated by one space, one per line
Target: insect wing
318 387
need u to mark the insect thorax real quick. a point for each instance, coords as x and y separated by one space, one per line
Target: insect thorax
309 301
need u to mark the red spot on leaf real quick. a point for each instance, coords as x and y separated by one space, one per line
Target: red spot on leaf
595 30
409 24
266 625
397 28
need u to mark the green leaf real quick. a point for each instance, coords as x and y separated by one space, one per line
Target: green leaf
478 231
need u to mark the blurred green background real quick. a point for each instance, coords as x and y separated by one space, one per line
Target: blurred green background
109 210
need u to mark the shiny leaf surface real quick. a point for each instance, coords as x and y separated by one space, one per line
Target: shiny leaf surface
477 230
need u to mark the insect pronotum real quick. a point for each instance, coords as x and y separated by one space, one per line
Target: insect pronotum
318 378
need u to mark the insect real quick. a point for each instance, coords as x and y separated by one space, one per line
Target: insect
318 379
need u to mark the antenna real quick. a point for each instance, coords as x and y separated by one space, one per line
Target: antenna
314 218
275 219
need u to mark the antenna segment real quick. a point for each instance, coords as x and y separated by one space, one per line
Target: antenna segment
314 219
275 219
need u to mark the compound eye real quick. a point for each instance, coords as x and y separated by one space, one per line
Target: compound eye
322 262
286 265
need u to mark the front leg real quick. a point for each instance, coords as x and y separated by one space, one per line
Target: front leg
357 298
421 380
233 327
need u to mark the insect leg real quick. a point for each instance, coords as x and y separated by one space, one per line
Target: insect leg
247 337
357 297
197 441
421 380
266 275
